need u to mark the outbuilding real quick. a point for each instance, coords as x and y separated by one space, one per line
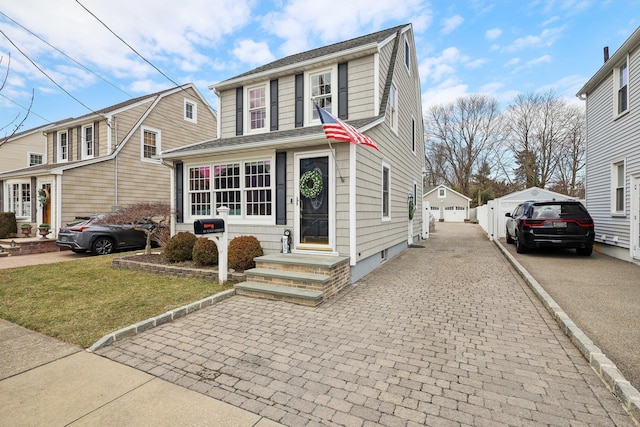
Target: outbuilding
447 204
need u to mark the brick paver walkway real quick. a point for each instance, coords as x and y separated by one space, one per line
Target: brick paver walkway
441 335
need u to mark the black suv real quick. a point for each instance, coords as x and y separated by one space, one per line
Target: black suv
562 224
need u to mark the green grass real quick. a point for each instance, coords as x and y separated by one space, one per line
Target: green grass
81 301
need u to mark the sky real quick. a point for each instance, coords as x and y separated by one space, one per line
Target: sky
75 56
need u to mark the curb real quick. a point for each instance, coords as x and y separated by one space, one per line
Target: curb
167 317
605 368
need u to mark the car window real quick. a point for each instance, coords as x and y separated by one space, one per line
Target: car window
559 211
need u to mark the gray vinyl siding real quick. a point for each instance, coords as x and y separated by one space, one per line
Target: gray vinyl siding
285 104
361 88
609 140
227 114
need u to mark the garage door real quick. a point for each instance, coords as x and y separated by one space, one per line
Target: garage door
454 214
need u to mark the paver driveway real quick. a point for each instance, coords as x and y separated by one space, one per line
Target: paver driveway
441 335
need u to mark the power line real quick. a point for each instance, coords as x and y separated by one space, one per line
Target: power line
64 54
23 107
128 45
47 75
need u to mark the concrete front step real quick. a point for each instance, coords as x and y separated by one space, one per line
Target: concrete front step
282 293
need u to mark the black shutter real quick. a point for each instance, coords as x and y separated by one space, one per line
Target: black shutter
179 180
281 188
70 140
96 139
273 111
343 101
1 195
299 98
34 198
239 112
55 148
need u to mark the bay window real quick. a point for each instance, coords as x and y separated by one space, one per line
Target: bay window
20 199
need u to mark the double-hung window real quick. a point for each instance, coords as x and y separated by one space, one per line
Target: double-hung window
88 142
622 86
150 144
407 55
257 98
245 187
20 199
386 186
36 159
321 92
63 146
618 188
190 111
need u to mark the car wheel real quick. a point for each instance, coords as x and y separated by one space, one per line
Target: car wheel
520 248
585 251
102 246
509 238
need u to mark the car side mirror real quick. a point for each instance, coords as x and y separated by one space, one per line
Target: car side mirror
508 214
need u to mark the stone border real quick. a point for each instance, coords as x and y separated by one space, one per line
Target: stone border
599 362
167 317
172 270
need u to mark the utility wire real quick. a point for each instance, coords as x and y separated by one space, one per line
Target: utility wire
128 45
47 75
64 54
23 107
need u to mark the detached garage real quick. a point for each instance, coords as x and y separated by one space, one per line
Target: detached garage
446 204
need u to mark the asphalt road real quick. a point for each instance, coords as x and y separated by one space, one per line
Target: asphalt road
601 294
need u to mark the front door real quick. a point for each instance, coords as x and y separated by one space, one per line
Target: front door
44 196
314 229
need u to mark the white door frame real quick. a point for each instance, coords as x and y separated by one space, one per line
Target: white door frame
635 218
312 248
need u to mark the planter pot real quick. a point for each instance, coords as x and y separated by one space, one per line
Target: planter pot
43 231
26 232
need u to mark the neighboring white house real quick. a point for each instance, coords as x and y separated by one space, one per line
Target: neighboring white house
491 216
446 204
613 151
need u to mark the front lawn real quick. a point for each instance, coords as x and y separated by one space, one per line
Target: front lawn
81 301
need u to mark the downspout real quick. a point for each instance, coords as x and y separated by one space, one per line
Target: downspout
172 186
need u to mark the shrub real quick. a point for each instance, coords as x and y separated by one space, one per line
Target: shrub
205 252
180 247
242 251
8 225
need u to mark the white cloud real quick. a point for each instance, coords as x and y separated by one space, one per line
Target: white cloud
546 38
303 24
450 24
544 59
512 62
444 93
252 52
493 33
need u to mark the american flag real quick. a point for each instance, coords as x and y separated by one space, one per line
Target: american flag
334 128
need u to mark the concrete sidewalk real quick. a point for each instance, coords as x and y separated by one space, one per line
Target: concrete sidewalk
47 382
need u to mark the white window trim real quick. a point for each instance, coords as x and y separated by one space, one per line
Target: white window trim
158 144
616 88
414 134
84 147
309 120
394 114
444 193
61 159
233 219
614 187
247 112
407 54
31 153
10 202
194 110
384 218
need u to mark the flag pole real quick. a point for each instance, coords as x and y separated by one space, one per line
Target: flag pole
335 162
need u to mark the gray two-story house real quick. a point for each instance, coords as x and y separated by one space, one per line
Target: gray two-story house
613 151
273 166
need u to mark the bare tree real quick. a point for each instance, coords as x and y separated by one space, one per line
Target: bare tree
148 217
461 138
537 128
16 123
571 157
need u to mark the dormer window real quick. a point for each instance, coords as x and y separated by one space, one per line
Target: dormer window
88 143
321 92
